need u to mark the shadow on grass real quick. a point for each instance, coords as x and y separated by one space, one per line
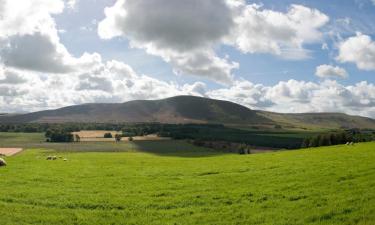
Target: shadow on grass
175 148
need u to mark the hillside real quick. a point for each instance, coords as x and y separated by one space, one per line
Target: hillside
319 120
180 109
174 182
189 109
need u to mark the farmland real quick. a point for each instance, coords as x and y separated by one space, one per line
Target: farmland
173 182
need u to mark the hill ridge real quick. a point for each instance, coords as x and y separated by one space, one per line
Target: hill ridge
188 109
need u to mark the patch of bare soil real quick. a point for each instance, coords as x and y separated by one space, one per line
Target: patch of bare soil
10 151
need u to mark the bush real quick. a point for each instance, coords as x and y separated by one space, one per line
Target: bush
59 136
108 135
118 137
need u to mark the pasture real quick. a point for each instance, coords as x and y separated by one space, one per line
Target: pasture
173 182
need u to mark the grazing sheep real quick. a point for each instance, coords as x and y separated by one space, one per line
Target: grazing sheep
50 157
65 159
2 162
347 143
351 143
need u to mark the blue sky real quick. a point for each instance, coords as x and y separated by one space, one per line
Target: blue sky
258 68
284 56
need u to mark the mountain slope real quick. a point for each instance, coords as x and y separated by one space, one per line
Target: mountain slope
319 120
189 109
180 109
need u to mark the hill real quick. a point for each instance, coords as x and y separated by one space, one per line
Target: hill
319 120
180 109
175 183
189 109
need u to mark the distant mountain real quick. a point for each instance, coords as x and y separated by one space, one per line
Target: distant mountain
188 109
180 109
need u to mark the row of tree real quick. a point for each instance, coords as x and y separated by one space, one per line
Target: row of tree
337 138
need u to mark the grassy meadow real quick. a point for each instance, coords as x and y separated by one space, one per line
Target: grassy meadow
173 182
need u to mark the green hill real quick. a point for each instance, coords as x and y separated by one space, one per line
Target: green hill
190 109
176 183
180 109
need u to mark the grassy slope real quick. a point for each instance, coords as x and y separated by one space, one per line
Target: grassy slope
319 121
332 185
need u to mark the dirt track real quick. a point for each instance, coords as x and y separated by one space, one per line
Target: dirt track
10 151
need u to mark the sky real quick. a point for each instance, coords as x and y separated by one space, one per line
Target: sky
276 55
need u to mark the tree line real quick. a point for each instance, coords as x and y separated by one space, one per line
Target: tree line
338 137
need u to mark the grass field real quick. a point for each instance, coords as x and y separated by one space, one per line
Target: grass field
176 183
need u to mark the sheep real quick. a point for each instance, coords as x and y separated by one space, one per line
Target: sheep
51 157
65 159
2 162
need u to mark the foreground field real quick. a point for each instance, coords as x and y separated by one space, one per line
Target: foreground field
333 185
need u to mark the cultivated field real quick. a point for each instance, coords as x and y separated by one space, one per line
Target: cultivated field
98 136
172 182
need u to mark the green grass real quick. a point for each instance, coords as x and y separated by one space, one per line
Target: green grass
331 185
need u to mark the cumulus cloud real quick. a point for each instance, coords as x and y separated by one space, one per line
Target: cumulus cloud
29 37
299 96
96 81
36 52
186 33
11 77
181 32
266 31
359 49
329 71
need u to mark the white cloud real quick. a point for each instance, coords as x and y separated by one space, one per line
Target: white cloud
95 81
186 33
359 49
114 81
11 77
36 52
20 17
299 96
284 34
329 71
72 4
29 37
181 32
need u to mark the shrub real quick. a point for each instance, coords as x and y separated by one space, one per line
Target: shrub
59 136
107 135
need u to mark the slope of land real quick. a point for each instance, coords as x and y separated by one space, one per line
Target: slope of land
190 109
178 184
319 120
180 109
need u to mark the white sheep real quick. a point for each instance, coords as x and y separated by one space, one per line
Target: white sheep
2 162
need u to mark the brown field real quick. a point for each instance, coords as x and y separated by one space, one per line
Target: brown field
10 151
94 133
97 135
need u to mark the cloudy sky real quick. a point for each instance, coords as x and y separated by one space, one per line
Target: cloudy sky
277 55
